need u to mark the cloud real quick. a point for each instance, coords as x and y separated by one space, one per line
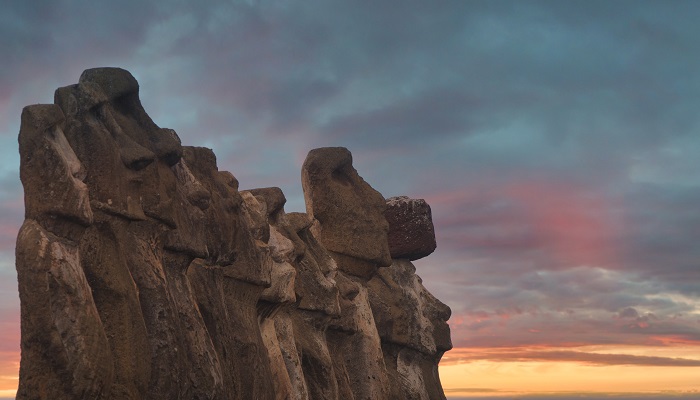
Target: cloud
556 143
563 308
628 312
518 355
414 120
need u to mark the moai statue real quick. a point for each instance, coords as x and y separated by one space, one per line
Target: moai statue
65 354
276 302
350 224
115 166
317 303
412 323
229 281
350 213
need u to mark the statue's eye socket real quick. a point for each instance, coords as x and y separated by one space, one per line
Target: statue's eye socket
139 163
341 176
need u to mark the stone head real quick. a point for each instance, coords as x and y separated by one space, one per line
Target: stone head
283 274
233 231
350 213
282 249
315 286
114 162
215 193
50 171
122 92
350 319
405 312
253 259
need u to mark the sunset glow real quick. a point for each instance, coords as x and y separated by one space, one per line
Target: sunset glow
9 368
486 378
521 371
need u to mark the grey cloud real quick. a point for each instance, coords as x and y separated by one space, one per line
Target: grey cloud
11 185
451 101
567 328
47 34
561 308
663 223
416 120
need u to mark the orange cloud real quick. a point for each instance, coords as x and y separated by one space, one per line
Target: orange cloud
544 354
568 374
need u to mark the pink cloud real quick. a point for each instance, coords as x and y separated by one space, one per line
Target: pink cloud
566 224
574 220
8 237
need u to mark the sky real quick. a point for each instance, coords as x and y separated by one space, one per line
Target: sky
556 142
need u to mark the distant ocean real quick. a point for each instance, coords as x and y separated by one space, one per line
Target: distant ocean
669 396
584 397
689 396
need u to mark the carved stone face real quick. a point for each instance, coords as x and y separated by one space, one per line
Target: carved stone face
315 286
349 211
252 261
51 172
183 212
113 161
438 313
215 193
122 92
283 273
405 312
235 233
350 319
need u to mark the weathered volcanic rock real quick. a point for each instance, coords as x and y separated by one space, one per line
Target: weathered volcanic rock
411 231
144 273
